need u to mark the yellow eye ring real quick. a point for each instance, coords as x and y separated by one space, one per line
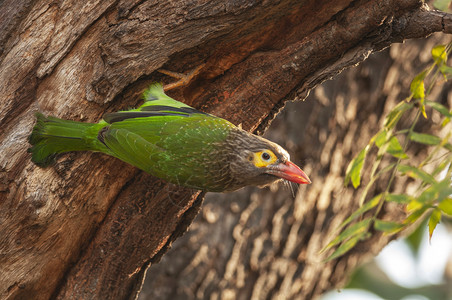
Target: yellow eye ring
264 158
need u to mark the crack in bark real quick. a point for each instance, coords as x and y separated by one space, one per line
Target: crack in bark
90 239
182 227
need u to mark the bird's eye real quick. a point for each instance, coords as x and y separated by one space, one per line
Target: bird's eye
265 156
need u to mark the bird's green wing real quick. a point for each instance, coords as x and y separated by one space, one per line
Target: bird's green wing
165 138
181 150
157 103
132 148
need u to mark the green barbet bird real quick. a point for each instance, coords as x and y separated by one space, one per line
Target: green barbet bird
172 141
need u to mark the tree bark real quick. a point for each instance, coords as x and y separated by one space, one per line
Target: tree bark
89 226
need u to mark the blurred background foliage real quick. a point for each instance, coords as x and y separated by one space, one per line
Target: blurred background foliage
427 275
371 277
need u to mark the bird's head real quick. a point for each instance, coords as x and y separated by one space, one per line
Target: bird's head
258 161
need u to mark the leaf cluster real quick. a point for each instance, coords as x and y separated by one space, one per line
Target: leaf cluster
432 199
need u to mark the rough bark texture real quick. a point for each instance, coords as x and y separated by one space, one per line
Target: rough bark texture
89 226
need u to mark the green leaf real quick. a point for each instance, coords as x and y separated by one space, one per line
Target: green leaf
433 221
439 108
445 70
441 5
443 165
387 168
422 107
437 192
387 226
448 146
355 167
417 87
414 216
395 149
425 138
353 230
399 198
366 207
439 55
346 246
416 173
416 205
446 206
443 189
396 113
381 138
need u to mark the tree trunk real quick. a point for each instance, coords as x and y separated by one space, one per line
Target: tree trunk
90 225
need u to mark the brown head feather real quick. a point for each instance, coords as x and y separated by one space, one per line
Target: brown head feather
240 171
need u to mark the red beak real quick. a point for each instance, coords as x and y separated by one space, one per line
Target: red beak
291 172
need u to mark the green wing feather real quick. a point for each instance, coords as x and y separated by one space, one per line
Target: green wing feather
122 141
155 95
168 139
156 104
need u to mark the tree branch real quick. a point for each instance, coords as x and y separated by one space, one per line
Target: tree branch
421 23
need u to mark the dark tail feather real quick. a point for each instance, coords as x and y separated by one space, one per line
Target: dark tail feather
51 136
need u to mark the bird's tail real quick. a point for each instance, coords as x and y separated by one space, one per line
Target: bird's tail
51 136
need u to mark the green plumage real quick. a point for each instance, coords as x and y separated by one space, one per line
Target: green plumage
51 136
165 138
